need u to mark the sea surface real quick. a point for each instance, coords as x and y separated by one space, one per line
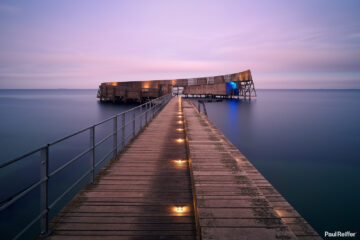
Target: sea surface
305 142
31 119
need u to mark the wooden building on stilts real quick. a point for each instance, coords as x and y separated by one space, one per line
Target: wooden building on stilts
234 85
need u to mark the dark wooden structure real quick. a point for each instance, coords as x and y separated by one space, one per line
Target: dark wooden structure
231 85
134 91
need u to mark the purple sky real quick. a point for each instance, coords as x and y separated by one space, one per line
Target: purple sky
79 44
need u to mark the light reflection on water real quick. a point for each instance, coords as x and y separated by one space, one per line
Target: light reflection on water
306 143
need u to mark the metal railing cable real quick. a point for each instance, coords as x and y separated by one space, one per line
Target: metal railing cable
143 113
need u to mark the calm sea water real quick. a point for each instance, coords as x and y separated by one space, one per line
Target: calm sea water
30 119
305 142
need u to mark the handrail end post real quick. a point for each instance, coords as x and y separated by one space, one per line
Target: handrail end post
115 137
44 206
92 154
123 131
46 234
141 117
134 117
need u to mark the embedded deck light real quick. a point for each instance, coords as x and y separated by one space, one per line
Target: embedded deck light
180 129
280 212
180 140
179 209
180 122
180 162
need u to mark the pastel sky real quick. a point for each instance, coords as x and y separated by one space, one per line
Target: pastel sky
79 44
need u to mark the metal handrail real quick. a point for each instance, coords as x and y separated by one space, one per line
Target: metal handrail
21 157
149 110
69 189
37 218
103 159
104 139
19 195
70 162
69 136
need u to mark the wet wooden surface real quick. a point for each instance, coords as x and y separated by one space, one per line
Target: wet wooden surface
137 194
234 201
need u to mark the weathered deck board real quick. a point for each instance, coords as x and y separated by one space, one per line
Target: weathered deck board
135 195
234 201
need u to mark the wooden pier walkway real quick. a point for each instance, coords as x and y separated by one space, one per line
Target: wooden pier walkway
144 194
149 191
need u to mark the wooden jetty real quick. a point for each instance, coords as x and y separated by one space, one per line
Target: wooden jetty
180 178
144 194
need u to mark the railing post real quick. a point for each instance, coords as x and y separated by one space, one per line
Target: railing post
152 105
115 137
134 112
123 130
146 113
92 154
44 191
141 117
154 110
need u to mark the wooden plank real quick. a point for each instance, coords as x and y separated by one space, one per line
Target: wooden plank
128 220
145 234
132 237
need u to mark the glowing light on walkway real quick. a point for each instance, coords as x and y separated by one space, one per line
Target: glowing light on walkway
179 210
180 162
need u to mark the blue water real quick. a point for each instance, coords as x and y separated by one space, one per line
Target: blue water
33 118
307 144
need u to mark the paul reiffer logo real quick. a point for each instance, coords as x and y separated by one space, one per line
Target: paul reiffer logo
340 234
